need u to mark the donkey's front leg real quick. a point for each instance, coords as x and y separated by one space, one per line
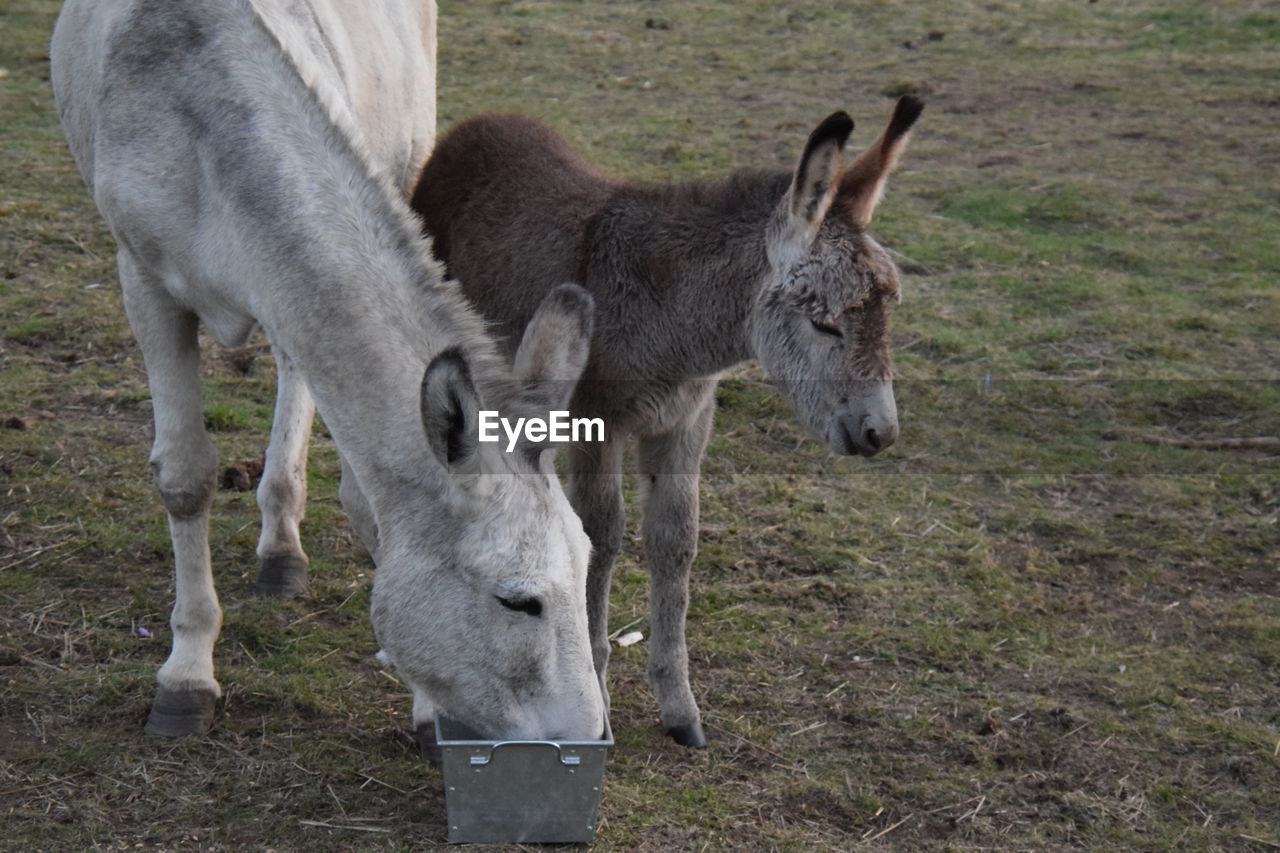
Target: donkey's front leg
184 464
669 476
282 494
595 490
359 513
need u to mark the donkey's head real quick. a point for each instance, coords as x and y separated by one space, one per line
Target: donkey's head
494 632
820 323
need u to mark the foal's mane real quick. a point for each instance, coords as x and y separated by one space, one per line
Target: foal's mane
746 196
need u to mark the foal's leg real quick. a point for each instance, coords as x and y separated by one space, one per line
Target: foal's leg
282 494
595 490
184 463
669 466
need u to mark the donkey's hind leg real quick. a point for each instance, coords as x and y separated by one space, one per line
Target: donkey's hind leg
669 466
282 494
183 462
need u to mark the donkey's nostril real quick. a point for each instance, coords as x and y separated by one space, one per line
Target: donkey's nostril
872 439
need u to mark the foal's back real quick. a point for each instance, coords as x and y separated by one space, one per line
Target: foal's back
524 198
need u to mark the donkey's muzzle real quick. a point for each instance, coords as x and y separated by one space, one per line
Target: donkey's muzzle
864 438
867 426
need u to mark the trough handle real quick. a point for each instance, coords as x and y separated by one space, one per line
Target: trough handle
481 759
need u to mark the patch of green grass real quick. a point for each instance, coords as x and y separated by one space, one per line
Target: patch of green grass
222 417
32 331
1188 26
988 207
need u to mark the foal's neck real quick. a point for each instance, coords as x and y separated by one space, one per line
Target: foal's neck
709 258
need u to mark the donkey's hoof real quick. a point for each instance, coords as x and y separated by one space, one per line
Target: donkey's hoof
176 713
281 576
428 746
689 735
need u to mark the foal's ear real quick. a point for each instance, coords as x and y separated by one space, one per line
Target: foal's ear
555 347
863 183
817 176
449 408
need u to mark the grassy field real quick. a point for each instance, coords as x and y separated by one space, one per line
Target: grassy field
1035 623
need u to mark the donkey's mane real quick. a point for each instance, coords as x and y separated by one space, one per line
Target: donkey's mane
443 300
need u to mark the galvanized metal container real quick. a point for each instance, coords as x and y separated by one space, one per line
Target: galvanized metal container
520 790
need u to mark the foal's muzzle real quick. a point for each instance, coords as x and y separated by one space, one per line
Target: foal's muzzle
869 424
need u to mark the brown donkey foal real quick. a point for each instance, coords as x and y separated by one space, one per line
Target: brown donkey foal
688 280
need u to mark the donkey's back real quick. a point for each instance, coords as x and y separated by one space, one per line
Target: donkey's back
166 45
173 113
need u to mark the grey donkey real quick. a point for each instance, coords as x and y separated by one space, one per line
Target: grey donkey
688 280
219 139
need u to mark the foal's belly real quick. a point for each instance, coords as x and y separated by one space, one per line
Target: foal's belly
643 407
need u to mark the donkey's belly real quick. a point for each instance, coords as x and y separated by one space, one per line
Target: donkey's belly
217 303
229 329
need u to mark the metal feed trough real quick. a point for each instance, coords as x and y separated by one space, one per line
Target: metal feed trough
520 790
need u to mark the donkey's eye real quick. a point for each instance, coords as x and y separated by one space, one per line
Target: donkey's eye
532 606
826 329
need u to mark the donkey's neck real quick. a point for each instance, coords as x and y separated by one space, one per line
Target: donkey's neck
342 282
704 253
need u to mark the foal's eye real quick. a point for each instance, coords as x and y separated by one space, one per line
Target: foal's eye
532 606
826 329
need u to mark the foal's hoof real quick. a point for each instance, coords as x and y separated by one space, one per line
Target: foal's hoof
281 576
689 735
425 734
175 713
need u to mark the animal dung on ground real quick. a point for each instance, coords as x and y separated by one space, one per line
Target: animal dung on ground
542 792
243 476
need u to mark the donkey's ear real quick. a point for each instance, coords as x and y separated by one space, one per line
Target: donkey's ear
863 182
555 347
449 408
816 180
